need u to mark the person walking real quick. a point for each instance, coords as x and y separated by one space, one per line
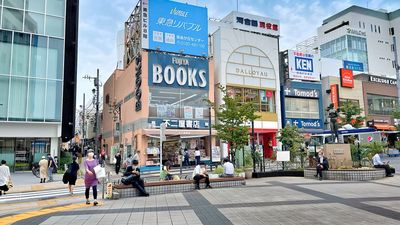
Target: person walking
5 177
52 166
197 155
117 162
186 157
43 169
72 175
90 177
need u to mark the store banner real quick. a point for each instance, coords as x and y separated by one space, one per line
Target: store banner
355 66
346 78
167 70
335 95
171 26
179 123
303 66
305 123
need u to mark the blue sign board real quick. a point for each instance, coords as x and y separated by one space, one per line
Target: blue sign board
179 123
355 66
175 27
178 71
305 123
304 64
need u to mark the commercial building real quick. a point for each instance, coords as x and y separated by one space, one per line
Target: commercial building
38 54
245 49
166 78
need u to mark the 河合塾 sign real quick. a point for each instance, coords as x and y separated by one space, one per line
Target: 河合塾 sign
174 27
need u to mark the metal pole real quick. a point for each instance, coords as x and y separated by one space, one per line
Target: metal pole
209 135
397 69
97 83
83 123
253 145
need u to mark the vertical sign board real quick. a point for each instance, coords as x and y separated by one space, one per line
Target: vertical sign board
335 95
303 66
174 27
346 78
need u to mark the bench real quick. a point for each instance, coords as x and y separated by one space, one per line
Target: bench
174 186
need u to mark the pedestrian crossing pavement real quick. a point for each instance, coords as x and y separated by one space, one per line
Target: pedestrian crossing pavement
37 195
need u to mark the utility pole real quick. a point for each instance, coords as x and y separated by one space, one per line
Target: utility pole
210 137
96 92
83 122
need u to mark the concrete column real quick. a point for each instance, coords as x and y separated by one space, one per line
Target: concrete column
54 146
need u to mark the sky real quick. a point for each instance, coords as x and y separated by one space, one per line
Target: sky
100 21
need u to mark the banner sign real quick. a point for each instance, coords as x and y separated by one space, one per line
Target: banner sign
303 93
335 95
179 123
305 123
355 66
174 27
382 80
178 71
303 66
346 78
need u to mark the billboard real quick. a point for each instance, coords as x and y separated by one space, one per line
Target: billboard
346 78
174 27
303 66
253 23
355 66
167 70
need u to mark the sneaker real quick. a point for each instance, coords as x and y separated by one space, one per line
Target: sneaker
320 178
390 175
208 186
87 202
197 187
95 203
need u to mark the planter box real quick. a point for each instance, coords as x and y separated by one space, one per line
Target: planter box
279 173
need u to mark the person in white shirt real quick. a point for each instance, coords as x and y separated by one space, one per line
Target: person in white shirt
378 163
200 172
197 155
136 156
228 169
5 177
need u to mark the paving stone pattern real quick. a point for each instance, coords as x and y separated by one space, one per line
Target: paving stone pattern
277 200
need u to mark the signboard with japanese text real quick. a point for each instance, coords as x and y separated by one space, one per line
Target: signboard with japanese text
253 23
355 66
303 66
179 123
167 70
346 78
335 95
174 27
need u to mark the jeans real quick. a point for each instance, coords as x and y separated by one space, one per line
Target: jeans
186 162
117 168
139 185
94 188
50 170
197 160
198 177
386 167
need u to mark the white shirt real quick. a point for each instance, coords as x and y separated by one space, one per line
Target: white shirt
228 168
197 153
198 170
136 157
376 160
4 174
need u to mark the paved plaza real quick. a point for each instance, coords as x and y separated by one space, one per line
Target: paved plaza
280 200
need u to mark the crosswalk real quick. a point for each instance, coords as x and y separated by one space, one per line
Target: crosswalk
38 195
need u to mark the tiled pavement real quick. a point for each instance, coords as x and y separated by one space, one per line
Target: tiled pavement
280 200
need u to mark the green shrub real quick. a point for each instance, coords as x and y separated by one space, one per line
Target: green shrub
219 170
65 158
239 170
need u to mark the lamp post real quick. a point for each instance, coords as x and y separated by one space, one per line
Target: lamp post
253 146
210 137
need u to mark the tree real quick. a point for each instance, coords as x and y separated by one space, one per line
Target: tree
350 114
396 115
291 138
232 116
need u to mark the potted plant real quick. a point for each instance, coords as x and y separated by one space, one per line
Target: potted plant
239 172
248 165
217 171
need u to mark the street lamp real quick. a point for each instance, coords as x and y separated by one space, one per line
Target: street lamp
253 146
209 135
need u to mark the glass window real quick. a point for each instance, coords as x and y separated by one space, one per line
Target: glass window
34 23
5 51
55 59
18 93
53 101
54 26
14 3
381 105
302 108
12 19
38 56
35 5
56 7
4 82
36 99
20 58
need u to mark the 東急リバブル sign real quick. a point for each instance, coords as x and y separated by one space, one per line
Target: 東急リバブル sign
355 66
178 71
302 66
174 27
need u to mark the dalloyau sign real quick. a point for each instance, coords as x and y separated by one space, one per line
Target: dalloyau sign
382 80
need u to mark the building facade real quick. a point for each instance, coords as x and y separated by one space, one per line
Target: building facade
32 74
245 49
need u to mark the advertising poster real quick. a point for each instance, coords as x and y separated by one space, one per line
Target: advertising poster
175 27
303 66
199 113
188 112
335 95
216 154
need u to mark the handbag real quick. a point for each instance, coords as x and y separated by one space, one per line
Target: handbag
128 179
99 171
10 184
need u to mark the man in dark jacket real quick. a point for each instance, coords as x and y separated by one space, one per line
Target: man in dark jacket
322 164
136 182
117 162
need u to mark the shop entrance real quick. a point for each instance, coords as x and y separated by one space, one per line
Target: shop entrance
171 151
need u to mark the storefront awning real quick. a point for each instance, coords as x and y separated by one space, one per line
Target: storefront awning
384 126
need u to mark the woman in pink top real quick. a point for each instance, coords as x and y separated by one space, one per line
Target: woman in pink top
90 177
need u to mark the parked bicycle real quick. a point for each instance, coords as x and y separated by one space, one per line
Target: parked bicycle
35 169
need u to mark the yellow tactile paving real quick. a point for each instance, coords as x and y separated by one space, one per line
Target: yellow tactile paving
31 214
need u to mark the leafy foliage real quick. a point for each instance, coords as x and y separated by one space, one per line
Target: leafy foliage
350 114
292 139
396 115
232 116
367 151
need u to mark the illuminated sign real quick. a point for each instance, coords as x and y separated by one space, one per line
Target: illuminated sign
346 78
335 95
305 123
305 93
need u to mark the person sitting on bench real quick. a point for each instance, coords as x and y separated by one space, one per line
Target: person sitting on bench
322 164
376 160
136 181
228 169
200 172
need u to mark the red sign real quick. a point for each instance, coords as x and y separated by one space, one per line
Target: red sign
269 94
335 95
346 78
